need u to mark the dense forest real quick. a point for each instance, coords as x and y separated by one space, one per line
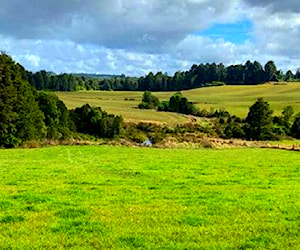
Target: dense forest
198 76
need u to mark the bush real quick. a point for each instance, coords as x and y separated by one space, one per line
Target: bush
132 133
94 121
163 106
149 101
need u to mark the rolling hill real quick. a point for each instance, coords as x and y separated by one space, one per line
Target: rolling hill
235 99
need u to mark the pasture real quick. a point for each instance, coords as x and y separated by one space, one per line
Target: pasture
123 198
235 99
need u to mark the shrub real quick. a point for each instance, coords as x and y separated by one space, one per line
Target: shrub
149 101
94 121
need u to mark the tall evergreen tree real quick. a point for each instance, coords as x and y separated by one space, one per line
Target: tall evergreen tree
8 97
259 121
20 117
270 71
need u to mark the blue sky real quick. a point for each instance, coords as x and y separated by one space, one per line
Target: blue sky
237 33
135 37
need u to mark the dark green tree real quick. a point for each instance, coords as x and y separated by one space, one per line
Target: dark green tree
180 104
235 74
20 117
8 97
259 121
296 127
94 121
30 122
270 71
149 101
289 76
174 102
287 115
297 75
57 120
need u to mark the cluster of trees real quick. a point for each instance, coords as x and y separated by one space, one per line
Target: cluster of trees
198 76
149 101
260 124
43 80
178 104
96 122
28 115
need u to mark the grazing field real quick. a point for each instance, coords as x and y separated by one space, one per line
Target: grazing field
235 99
123 198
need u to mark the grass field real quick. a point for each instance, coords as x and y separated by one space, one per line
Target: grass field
123 198
235 99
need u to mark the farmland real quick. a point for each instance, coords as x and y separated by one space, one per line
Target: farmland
118 197
235 99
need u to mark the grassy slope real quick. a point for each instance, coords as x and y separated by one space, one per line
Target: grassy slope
115 197
114 102
235 99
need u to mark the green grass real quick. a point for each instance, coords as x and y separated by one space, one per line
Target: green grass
101 197
235 99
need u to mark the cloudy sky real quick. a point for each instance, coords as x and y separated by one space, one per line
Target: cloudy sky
136 36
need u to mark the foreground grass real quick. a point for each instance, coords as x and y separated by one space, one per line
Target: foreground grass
116 197
235 99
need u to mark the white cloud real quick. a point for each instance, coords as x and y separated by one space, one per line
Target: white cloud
277 34
134 37
33 60
146 25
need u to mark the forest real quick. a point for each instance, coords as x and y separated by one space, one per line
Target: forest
201 75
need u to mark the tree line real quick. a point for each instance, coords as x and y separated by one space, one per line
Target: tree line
201 75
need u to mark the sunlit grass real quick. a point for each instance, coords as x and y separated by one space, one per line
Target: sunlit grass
116 197
235 99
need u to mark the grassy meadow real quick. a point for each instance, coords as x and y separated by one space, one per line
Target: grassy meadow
123 198
235 99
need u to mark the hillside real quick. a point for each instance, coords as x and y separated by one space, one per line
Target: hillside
235 99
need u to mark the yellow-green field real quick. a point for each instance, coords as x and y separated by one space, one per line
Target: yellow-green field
235 99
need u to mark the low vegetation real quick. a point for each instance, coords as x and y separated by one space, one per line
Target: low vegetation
118 197
258 125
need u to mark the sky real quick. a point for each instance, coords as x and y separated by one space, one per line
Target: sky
137 36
